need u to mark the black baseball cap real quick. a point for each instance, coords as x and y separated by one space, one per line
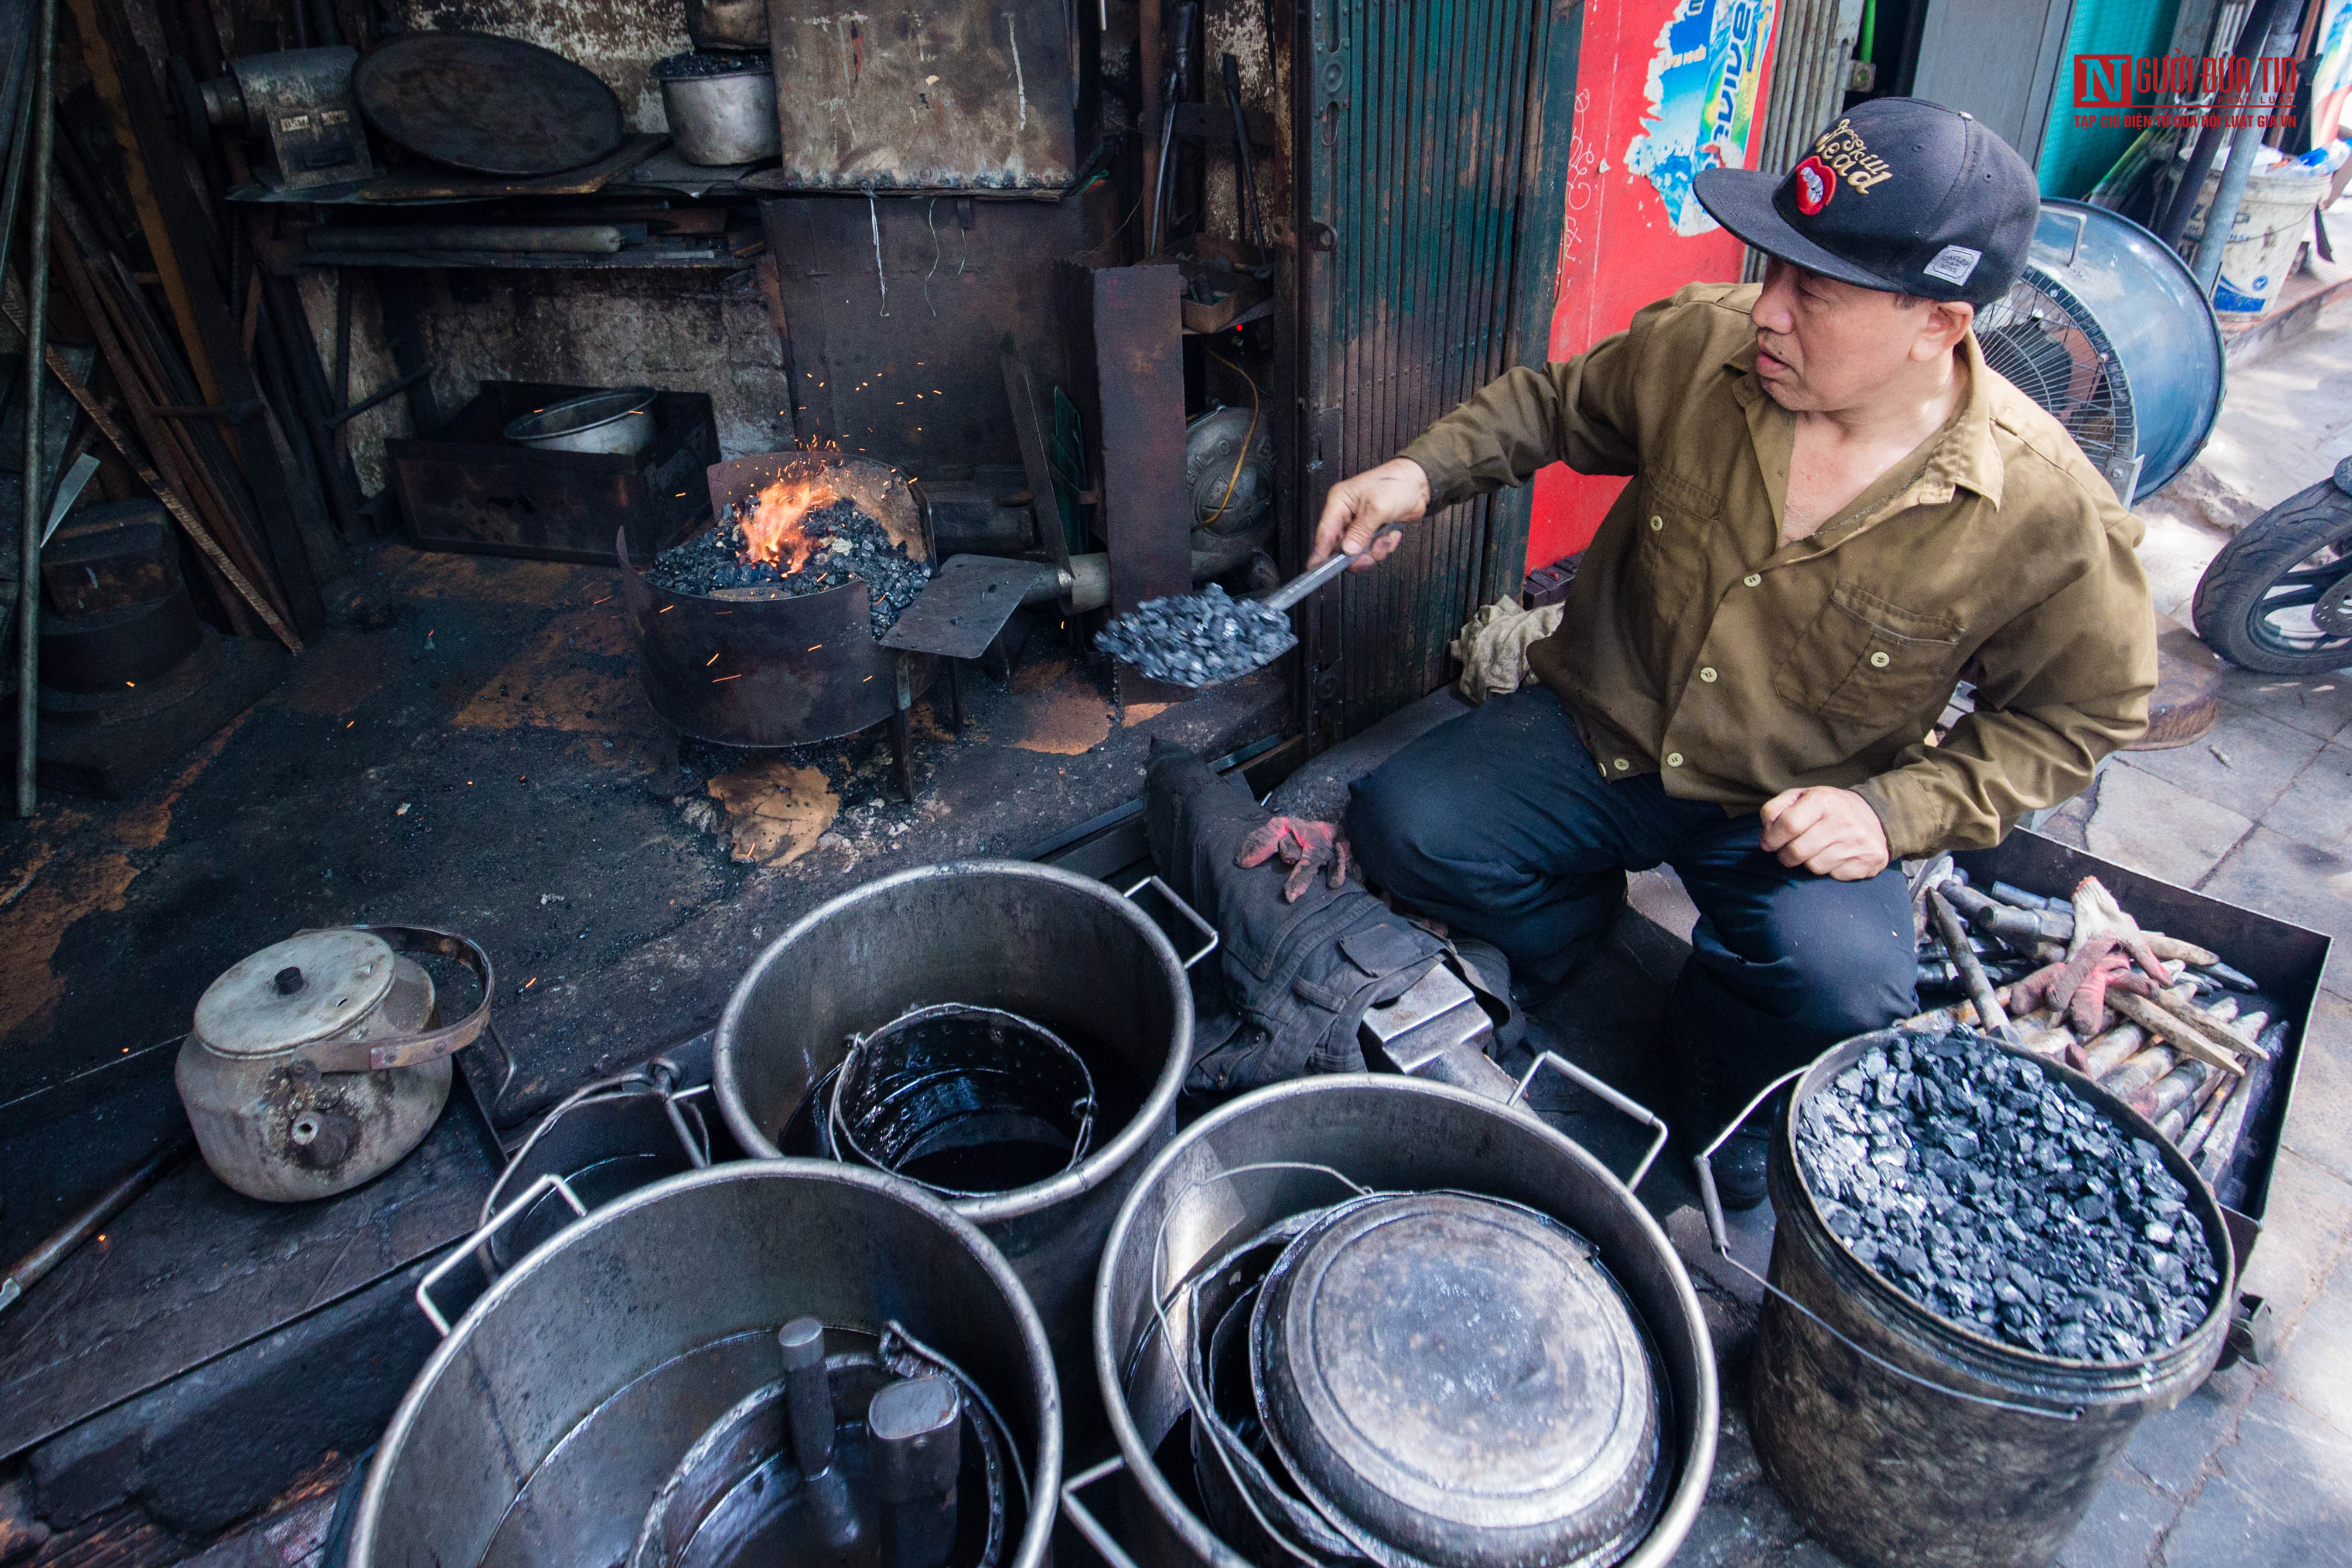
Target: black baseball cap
1899 194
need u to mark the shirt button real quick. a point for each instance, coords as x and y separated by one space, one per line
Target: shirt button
1879 660
1623 764
1752 578
1707 674
1673 759
1656 524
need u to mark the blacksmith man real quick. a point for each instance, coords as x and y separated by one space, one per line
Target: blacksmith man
1836 507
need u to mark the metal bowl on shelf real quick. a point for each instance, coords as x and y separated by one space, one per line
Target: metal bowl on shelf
620 420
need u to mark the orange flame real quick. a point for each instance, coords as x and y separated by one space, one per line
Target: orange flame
772 533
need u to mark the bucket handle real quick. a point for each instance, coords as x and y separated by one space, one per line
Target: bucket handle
1583 1080
464 1249
658 1076
1184 909
1083 1517
1703 1163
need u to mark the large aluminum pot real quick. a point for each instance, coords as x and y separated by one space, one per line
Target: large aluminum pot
1195 1203
1062 950
540 1431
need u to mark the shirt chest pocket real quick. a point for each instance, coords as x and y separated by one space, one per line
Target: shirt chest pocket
1867 658
1671 534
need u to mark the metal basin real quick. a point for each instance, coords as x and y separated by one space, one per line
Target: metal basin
1266 1155
721 120
1061 950
620 420
542 1429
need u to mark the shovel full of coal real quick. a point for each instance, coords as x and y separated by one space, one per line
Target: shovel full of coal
1203 639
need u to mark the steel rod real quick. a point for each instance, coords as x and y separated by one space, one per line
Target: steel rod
60 1244
37 317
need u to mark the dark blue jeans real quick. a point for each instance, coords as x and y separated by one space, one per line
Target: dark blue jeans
1500 825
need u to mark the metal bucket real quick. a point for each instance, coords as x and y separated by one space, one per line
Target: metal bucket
1240 1169
721 120
1061 950
542 1429
1964 1451
620 420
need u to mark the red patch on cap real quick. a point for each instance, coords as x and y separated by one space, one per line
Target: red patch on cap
1816 184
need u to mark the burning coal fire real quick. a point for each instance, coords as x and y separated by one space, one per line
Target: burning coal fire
776 533
799 535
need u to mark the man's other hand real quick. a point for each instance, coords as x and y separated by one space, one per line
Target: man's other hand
1830 832
1357 510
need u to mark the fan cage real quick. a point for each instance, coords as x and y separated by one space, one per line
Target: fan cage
2049 346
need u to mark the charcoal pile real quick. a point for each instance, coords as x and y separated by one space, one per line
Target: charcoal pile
1198 639
1987 1190
849 546
2182 1037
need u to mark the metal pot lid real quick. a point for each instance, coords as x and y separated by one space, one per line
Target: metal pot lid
1461 1380
486 103
304 988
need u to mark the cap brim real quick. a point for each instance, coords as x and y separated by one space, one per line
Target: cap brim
1741 201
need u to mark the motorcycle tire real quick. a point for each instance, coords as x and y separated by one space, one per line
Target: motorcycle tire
2278 599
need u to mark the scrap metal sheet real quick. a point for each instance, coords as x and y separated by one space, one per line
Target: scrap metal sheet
943 97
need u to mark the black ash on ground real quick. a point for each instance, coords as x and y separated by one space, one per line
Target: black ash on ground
1990 1192
1197 639
851 545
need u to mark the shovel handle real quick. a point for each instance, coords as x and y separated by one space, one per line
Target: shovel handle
1290 593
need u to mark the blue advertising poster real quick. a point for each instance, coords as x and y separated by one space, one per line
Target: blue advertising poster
1703 97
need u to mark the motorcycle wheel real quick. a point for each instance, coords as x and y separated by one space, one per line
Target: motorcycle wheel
2278 599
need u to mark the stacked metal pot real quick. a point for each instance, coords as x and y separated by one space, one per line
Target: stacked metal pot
1361 1319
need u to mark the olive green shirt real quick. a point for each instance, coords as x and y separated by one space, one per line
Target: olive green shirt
1697 645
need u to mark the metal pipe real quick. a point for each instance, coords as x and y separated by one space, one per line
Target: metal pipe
808 1394
2223 216
917 1450
60 1244
36 314
586 239
2257 27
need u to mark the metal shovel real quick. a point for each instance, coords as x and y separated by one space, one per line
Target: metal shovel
1210 660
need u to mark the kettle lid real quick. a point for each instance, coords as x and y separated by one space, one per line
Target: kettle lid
306 988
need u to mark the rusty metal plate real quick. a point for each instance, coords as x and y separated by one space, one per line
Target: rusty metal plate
940 98
489 104
963 608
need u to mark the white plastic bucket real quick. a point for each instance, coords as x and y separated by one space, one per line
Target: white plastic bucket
2272 222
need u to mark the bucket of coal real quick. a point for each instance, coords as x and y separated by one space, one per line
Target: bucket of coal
1986 1272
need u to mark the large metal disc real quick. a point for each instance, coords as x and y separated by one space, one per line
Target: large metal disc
1460 1380
492 105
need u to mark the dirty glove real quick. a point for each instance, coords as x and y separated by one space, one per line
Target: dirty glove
1303 845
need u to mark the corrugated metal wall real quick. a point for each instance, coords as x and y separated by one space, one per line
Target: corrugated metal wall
1436 133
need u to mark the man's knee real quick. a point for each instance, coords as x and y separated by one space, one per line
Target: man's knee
1398 826
1860 986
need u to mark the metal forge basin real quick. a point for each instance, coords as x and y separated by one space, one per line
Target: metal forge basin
739 669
